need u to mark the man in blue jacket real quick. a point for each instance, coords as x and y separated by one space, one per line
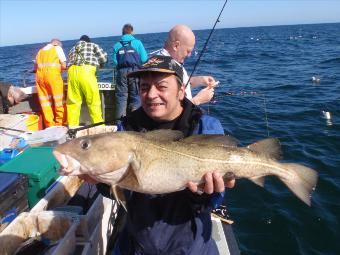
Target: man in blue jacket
128 55
179 222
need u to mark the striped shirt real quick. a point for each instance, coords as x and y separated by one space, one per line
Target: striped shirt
87 53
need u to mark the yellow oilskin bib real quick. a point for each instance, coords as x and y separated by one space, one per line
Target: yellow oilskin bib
82 83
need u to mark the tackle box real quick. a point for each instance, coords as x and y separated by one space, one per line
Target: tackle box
40 167
13 197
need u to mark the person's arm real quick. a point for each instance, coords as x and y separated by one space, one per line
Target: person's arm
101 54
63 66
62 57
114 57
142 52
197 81
203 96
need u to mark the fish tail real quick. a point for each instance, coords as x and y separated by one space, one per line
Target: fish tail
304 183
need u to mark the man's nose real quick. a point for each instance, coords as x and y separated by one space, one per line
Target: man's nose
153 92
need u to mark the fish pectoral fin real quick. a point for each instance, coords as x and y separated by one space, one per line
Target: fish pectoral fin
258 180
164 135
269 147
214 140
119 196
130 180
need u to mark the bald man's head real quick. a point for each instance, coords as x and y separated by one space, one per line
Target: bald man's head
56 42
180 42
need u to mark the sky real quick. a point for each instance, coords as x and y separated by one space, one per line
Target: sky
30 21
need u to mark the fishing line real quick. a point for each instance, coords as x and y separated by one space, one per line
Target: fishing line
248 93
206 43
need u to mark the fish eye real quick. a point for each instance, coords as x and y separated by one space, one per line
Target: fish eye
85 144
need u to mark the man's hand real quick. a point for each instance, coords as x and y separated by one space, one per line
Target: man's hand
203 96
207 81
213 182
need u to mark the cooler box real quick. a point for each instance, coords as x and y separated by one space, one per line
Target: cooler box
13 197
41 168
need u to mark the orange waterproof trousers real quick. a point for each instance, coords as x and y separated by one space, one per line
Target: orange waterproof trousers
50 88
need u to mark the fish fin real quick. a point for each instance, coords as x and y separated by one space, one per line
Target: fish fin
304 183
258 180
269 147
215 140
130 180
163 135
119 196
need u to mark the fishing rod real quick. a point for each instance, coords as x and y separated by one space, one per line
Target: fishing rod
206 43
12 129
73 132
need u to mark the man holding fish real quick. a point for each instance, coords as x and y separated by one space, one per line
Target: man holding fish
177 222
156 169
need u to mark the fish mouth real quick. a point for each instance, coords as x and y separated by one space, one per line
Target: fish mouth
69 165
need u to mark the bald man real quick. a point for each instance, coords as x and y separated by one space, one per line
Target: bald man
179 45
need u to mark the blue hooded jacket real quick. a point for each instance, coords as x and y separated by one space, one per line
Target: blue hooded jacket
135 43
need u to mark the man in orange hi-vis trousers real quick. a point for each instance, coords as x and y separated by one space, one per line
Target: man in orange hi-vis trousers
50 62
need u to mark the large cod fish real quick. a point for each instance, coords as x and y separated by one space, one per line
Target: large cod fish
163 161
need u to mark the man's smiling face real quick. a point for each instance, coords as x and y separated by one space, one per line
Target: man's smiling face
161 96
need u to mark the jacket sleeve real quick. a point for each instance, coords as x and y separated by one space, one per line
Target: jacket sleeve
209 126
142 52
114 55
101 54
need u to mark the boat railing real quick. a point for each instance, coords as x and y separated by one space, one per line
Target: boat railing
106 79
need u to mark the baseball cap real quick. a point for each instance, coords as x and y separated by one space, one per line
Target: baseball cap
160 64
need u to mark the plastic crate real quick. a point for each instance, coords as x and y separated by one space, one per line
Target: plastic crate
64 188
52 226
41 168
13 197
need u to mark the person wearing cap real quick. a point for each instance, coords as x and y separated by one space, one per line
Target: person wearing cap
49 63
128 55
179 222
179 45
84 59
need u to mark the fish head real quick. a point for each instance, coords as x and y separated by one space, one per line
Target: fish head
95 155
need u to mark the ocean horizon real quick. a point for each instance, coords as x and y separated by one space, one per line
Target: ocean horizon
275 81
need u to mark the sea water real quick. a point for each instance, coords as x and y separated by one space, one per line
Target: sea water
274 81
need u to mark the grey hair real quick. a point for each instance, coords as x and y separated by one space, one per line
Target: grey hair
56 42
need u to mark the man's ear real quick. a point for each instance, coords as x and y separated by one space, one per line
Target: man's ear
176 45
181 92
